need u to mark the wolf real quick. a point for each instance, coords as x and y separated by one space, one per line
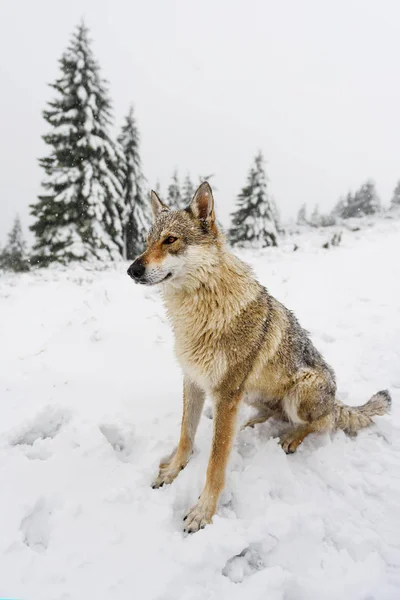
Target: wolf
235 342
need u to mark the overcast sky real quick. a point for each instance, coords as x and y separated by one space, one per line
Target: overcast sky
315 84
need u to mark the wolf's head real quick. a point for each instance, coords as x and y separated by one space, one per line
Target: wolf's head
182 245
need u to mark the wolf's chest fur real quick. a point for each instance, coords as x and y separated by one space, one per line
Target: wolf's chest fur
215 325
199 338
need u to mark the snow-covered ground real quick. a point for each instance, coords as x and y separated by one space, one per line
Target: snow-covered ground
91 400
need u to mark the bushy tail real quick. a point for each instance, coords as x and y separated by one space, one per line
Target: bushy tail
353 418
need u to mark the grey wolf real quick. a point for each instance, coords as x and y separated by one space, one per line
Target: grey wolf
234 342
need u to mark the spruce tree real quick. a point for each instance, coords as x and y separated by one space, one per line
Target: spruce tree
395 202
174 198
366 200
315 219
302 215
13 257
276 216
80 214
327 220
340 207
137 219
157 188
253 222
188 191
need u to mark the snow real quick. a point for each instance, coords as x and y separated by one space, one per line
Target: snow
91 401
88 126
72 113
82 93
65 129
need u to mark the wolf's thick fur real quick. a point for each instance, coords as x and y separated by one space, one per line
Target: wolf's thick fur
235 342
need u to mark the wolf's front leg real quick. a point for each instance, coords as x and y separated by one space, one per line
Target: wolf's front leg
193 401
226 409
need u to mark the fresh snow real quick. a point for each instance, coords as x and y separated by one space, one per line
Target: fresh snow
91 401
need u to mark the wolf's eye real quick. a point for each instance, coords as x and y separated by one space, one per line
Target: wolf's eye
170 240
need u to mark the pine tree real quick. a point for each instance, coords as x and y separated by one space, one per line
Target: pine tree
339 209
174 198
327 220
14 256
137 219
366 200
315 219
157 188
348 206
253 222
81 211
276 216
302 215
188 191
395 202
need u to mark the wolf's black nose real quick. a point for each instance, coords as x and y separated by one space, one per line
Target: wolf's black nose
136 270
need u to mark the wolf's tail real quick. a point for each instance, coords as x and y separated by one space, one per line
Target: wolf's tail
353 418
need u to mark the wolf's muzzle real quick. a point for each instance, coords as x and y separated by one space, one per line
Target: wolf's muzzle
136 270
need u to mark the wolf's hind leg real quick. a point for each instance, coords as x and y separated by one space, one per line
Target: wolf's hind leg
310 406
193 401
292 439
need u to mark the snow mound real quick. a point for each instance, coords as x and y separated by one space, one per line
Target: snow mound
91 401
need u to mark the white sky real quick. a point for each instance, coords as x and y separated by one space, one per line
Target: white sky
313 83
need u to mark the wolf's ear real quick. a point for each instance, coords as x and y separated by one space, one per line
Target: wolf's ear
202 205
156 205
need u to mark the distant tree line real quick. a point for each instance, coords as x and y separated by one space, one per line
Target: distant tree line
364 202
94 204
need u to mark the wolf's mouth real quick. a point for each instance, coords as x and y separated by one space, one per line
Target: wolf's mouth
155 282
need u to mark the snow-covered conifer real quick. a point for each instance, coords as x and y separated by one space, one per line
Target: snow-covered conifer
174 197
80 213
302 215
253 223
395 201
13 257
188 191
137 217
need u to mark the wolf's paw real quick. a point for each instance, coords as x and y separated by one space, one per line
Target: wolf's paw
167 473
255 421
198 517
249 423
290 442
261 416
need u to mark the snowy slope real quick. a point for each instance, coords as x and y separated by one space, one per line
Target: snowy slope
91 399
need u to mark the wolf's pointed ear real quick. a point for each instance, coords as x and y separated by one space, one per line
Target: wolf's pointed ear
202 205
156 205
